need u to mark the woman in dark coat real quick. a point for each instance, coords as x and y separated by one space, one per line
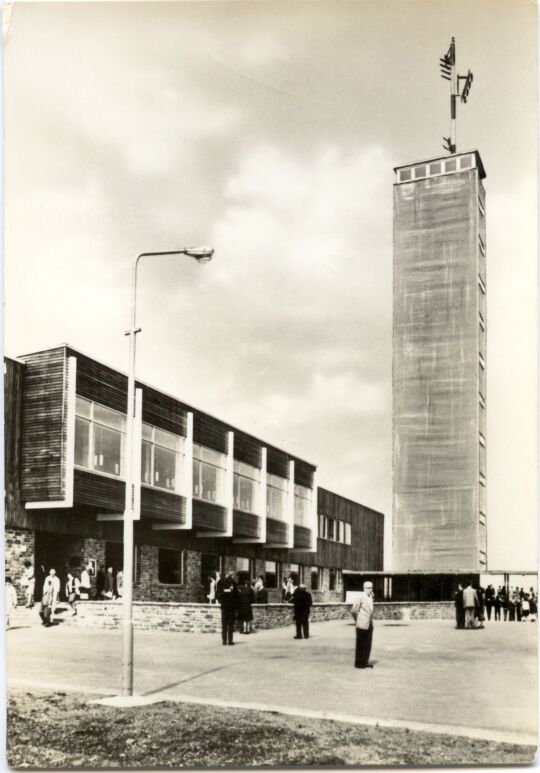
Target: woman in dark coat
245 613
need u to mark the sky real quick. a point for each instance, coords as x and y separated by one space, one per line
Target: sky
270 131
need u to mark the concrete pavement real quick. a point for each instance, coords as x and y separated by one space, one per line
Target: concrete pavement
427 675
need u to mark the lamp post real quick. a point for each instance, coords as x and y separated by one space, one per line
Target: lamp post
201 255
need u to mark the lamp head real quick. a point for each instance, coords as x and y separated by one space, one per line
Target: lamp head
201 254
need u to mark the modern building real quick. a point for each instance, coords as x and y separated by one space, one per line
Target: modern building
208 496
439 366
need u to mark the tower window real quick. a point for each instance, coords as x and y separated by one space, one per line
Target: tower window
481 245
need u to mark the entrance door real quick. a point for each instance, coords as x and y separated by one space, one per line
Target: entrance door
52 551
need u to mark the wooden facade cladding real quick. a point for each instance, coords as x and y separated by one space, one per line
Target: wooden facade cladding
209 516
302 538
276 532
247 449
277 462
100 492
210 432
13 403
43 426
303 473
246 524
162 506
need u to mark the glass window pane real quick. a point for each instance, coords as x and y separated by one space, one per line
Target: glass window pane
107 450
213 457
83 407
165 468
465 162
170 566
82 442
167 439
330 528
270 574
196 478
435 168
276 503
404 174
110 418
146 463
419 171
450 165
209 482
242 564
147 432
277 482
315 578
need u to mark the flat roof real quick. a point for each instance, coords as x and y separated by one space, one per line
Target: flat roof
479 164
423 573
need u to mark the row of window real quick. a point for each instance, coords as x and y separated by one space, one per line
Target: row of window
335 529
99 446
435 168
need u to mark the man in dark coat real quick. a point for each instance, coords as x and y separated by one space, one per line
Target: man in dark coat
302 602
227 595
460 609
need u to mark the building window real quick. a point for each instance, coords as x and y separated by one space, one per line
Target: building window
330 529
244 569
404 175
481 321
481 360
99 438
276 497
294 573
465 162
162 457
271 574
482 517
435 168
419 171
481 208
481 400
481 284
246 481
210 564
450 165
322 526
208 474
170 566
348 535
481 245
302 505
482 440
315 578
332 579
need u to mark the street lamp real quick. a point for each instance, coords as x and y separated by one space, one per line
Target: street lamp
201 255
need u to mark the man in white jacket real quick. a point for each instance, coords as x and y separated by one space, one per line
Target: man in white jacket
362 611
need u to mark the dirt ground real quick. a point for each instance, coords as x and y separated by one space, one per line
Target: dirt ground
61 730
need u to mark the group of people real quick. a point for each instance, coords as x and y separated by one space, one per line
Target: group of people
474 605
236 599
77 586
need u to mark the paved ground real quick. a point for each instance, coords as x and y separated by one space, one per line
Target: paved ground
425 673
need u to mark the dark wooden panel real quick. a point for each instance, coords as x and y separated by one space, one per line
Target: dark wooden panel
277 462
13 401
42 432
163 506
163 411
302 537
98 491
100 383
210 432
246 524
247 449
303 474
276 531
209 516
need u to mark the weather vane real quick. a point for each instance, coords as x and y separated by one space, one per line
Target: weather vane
448 72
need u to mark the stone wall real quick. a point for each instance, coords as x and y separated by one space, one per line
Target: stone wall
206 618
19 546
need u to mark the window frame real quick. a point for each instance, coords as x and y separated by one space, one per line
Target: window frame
220 480
91 422
182 556
179 454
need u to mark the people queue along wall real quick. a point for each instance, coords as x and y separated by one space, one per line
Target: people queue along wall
474 605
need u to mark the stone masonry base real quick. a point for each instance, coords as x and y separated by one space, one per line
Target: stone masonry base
206 618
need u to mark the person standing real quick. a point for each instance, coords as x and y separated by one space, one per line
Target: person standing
108 588
85 586
120 583
261 594
72 591
245 612
49 597
227 595
212 583
470 603
490 600
100 582
28 582
460 611
11 599
362 611
302 601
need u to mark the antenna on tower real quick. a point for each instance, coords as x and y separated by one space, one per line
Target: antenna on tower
447 64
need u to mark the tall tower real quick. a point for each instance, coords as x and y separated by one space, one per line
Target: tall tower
439 365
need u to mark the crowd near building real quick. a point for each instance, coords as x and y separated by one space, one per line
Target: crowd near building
208 497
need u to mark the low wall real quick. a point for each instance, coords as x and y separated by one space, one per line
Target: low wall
206 618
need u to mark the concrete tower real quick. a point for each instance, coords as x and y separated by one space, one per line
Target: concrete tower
439 366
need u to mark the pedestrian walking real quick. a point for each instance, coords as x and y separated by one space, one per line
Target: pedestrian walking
11 600
302 601
362 611
227 595
246 599
49 597
28 582
72 591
